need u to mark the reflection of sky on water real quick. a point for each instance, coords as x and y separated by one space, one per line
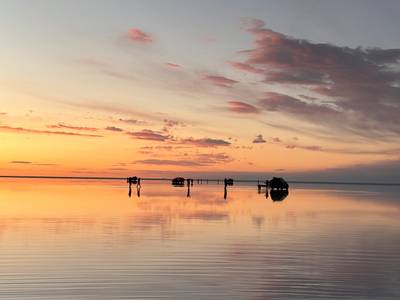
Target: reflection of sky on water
74 240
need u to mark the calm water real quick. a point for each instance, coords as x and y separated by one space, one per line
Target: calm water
88 240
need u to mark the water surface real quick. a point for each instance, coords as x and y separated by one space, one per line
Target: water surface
88 240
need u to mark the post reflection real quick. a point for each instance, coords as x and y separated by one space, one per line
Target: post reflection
131 181
275 193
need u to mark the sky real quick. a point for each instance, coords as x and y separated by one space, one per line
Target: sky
306 89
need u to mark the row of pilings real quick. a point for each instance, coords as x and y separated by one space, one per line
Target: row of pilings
278 186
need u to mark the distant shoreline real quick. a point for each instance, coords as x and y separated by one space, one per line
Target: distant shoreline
204 179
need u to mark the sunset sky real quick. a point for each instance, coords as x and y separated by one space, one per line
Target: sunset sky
151 88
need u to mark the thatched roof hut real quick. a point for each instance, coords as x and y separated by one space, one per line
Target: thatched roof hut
278 183
178 181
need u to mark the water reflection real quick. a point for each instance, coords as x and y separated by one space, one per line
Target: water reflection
68 240
134 180
138 188
278 195
188 190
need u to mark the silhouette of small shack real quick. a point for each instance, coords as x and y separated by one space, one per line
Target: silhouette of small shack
229 181
178 181
278 183
132 180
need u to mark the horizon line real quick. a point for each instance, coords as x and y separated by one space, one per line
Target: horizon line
207 179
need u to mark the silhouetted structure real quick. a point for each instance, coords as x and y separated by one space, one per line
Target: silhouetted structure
178 181
227 181
279 195
278 183
132 180
260 186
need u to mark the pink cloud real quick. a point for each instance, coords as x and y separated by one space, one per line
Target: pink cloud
138 35
242 107
220 81
245 67
147 134
172 65
362 82
287 104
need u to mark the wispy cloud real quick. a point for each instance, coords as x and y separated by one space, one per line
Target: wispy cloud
150 149
389 152
26 162
133 121
147 134
168 162
220 81
172 65
286 104
138 35
66 126
205 142
36 131
242 107
119 110
169 124
199 160
245 67
106 68
113 128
